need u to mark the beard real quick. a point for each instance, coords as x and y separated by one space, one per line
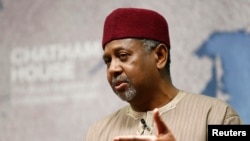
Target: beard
129 93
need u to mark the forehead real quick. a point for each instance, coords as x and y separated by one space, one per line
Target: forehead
126 44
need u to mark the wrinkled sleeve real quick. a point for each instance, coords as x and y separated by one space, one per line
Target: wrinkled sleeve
231 117
90 135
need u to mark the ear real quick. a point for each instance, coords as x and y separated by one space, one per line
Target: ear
161 54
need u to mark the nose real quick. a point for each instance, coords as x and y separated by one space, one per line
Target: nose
115 68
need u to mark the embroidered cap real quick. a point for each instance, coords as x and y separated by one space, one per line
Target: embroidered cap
135 23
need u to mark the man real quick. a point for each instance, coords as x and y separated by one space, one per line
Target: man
136 48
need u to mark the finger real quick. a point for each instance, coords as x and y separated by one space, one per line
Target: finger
116 139
161 126
135 138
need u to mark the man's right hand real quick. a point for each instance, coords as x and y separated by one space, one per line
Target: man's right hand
164 133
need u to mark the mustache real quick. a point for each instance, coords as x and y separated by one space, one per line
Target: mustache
120 79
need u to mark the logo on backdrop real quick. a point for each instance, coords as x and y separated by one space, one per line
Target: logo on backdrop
50 69
229 53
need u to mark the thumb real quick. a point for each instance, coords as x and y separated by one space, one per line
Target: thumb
161 126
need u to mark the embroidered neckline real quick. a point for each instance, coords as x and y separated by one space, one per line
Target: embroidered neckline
171 105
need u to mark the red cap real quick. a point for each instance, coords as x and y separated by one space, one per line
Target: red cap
135 23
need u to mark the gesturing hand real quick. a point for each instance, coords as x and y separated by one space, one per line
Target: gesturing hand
164 133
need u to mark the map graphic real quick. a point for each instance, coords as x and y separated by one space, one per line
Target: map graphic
229 53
